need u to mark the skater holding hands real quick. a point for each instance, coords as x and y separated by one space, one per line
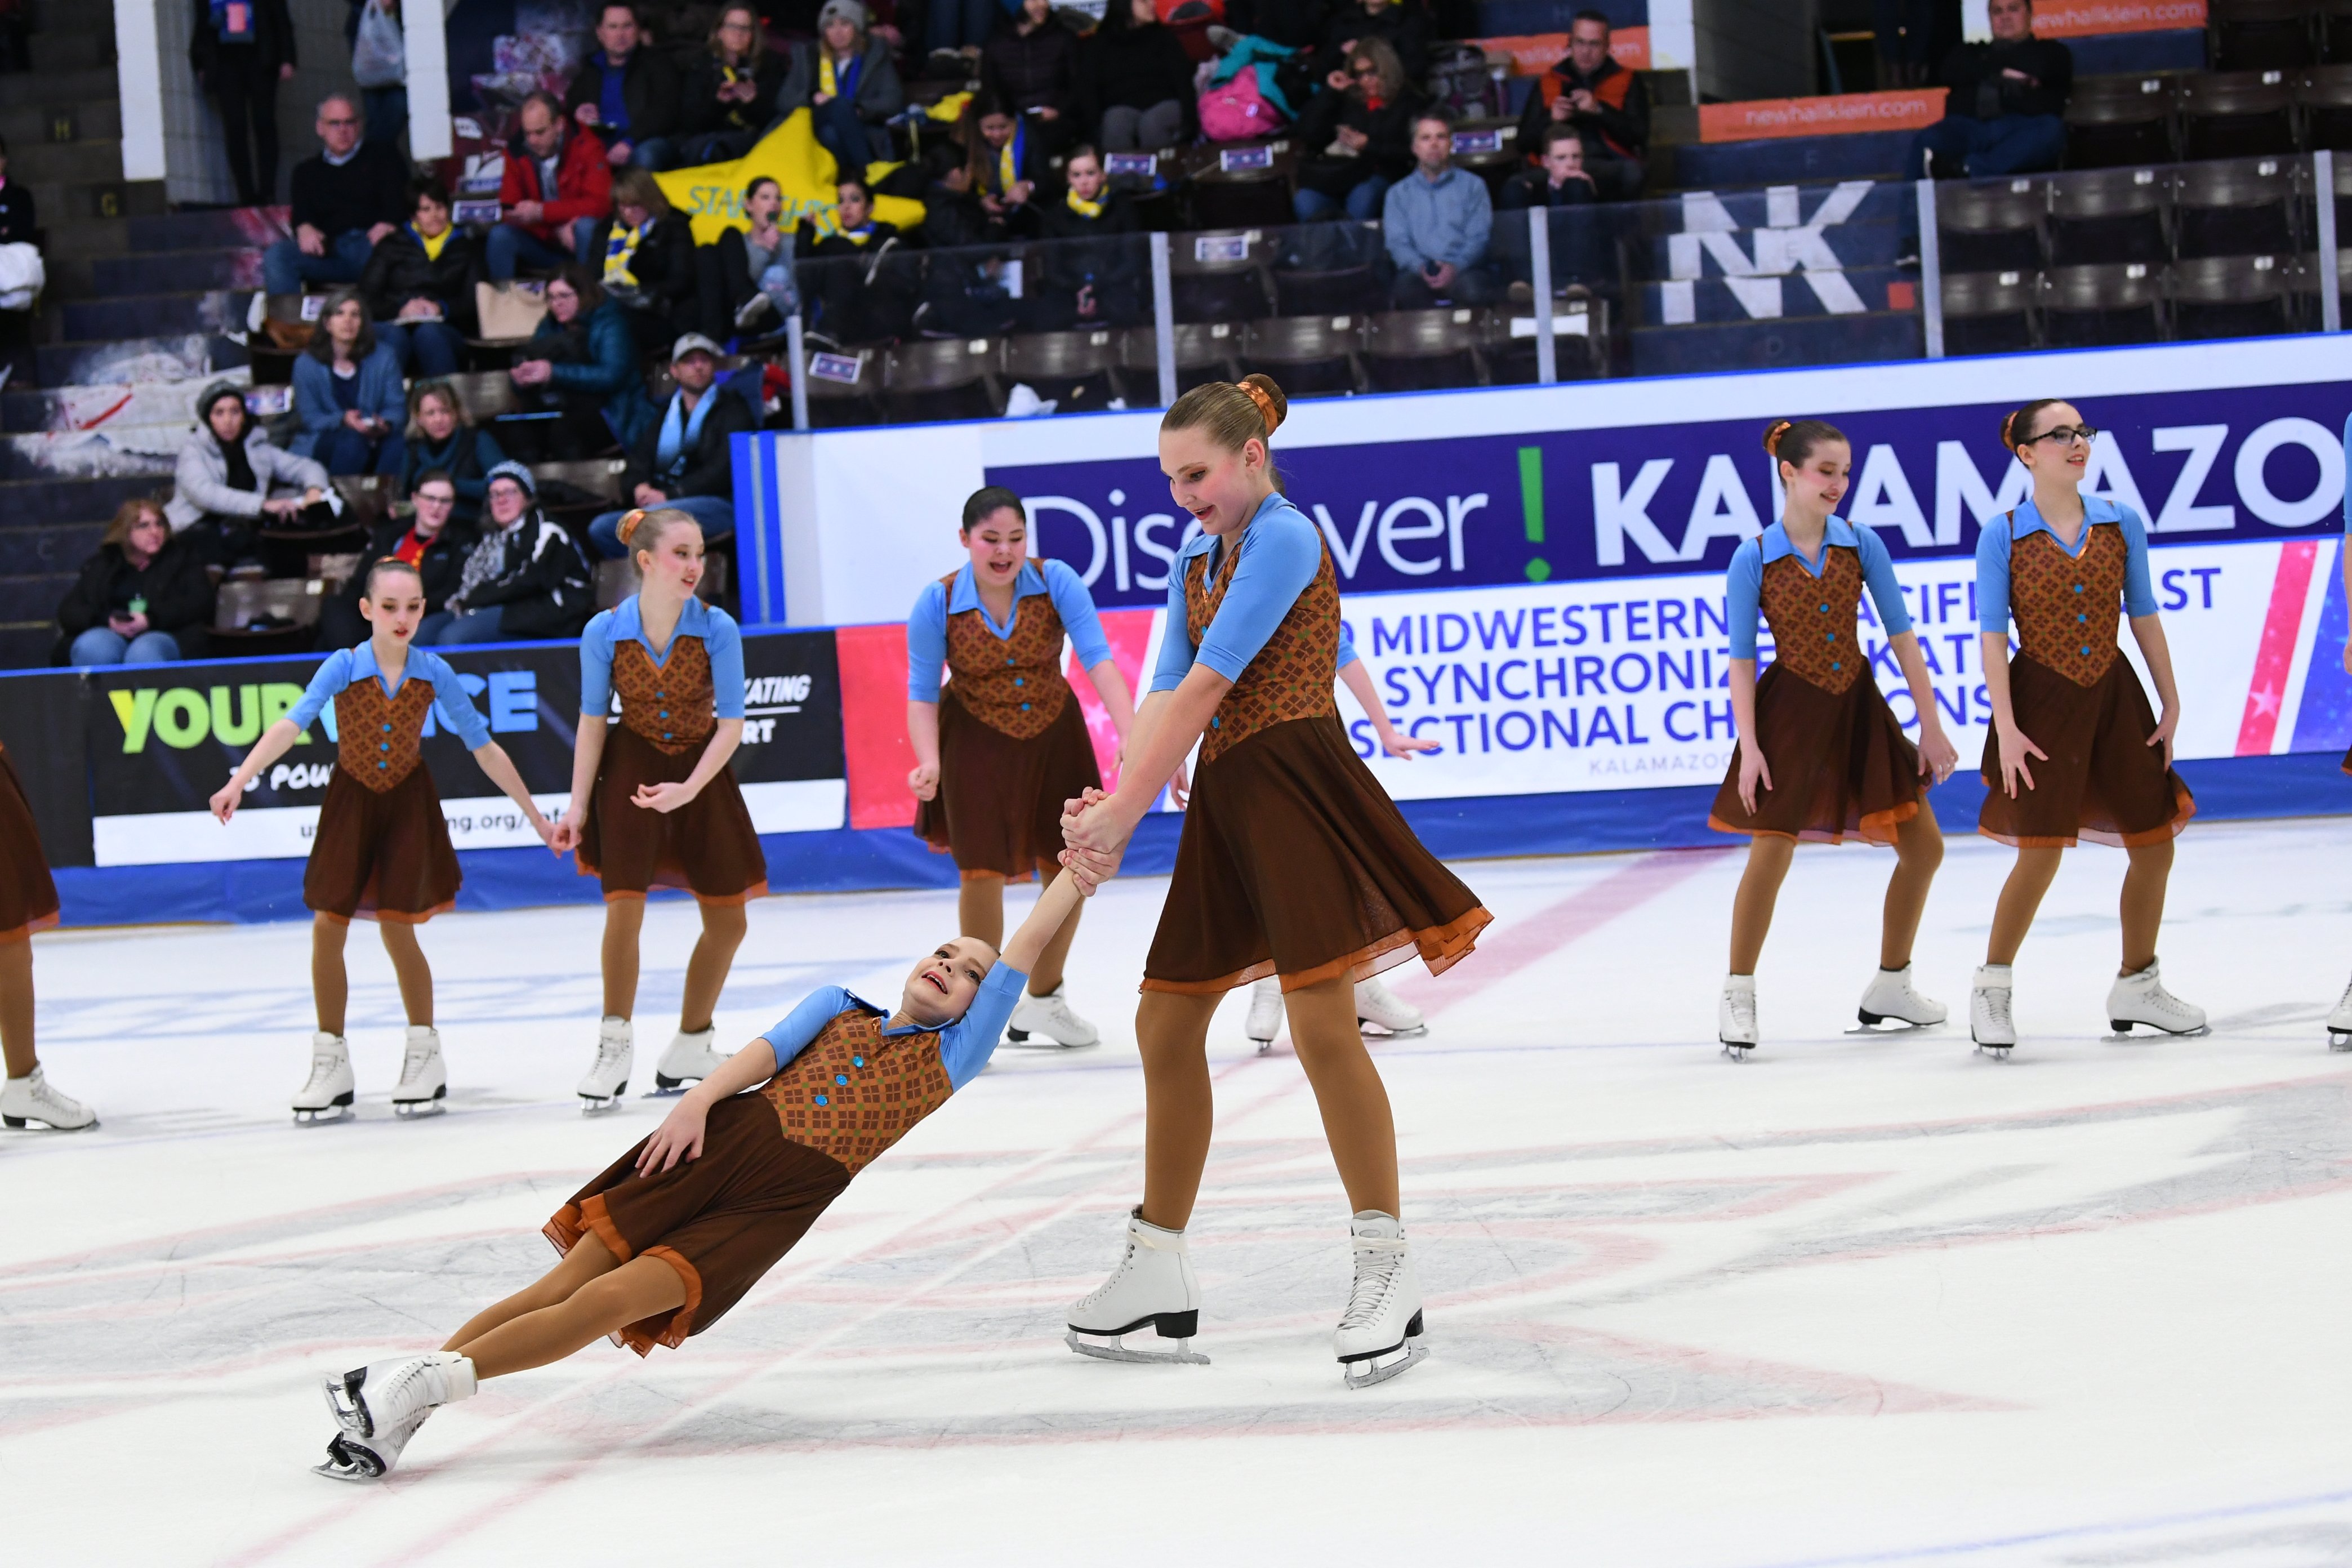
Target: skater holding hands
1820 754
382 851
29 902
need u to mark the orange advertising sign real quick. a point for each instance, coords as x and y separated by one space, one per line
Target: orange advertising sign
1852 111
2089 18
1532 54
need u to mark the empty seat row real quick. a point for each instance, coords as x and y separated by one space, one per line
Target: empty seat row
2129 302
2268 35
2238 207
2114 121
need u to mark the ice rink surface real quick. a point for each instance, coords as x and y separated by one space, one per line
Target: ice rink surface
1853 1300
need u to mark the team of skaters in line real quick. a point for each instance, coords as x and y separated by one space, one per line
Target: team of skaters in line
1294 868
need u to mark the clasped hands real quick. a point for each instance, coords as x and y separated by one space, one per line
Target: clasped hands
1095 839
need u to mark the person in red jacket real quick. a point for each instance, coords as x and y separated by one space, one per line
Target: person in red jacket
546 227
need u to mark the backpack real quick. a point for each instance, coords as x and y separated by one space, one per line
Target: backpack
1237 111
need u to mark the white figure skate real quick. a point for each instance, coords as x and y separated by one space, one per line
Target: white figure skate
30 1098
690 1057
350 1458
2340 1024
424 1083
1265 1020
1051 1017
383 1395
1891 1000
607 1078
1153 1286
1990 1024
2141 998
327 1097
1735 1016
1378 1335
1378 1010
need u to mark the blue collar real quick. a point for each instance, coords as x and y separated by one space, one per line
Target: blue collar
965 596
885 1015
2097 511
1203 542
629 621
1775 542
363 665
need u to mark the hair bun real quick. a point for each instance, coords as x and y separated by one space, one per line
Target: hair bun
1261 390
629 524
1773 434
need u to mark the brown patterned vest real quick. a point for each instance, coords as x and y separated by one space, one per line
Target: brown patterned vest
1013 685
1292 675
669 704
2068 609
853 1092
377 738
1814 619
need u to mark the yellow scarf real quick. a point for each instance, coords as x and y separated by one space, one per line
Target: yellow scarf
1084 208
433 242
1008 160
828 78
619 251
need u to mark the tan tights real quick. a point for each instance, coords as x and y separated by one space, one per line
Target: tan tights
1919 850
980 912
330 984
16 1006
1174 1032
579 1301
2141 907
706 971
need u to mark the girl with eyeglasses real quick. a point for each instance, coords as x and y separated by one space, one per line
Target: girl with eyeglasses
2075 753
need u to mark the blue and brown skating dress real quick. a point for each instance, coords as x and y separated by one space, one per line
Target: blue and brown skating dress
2072 691
1839 760
382 851
847 1088
1013 746
1294 861
671 702
28 895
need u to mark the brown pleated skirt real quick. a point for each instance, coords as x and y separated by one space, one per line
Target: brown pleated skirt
1295 862
382 856
2102 781
707 845
28 896
1840 765
999 806
721 1221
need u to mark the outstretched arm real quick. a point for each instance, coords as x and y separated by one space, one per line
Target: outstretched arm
1053 907
272 745
492 759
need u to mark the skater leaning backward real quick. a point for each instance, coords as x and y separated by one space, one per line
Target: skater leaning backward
662 1244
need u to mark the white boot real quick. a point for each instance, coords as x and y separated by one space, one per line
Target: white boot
1380 1334
423 1082
1376 1006
2340 1024
383 1395
1152 1286
1990 1024
327 1097
1265 1020
607 1078
30 1098
2141 998
689 1056
350 1458
1734 1015
1051 1017
1891 999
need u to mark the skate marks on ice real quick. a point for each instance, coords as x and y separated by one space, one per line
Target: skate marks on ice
2310 1531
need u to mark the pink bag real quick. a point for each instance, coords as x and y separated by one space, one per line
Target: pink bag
1236 111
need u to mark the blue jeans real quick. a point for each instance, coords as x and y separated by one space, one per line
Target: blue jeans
655 152
386 108
284 268
344 451
955 23
842 133
1362 204
425 348
104 645
445 630
715 514
1983 149
510 243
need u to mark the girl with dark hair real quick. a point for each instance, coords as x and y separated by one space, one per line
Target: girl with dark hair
582 360
747 273
1007 160
1366 109
419 284
728 99
347 391
1135 82
2076 751
1031 61
230 479
1293 862
649 262
1004 746
1820 752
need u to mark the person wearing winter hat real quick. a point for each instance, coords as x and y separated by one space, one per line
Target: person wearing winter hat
683 458
846 81
230 477
526 579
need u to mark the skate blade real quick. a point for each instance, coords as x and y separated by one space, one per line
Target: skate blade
1998 1052
343 1406
418 1109
668 1087
1364 1373
1265 1047
597 1105
1888 1024
1738 1050
346 1461
34 1124
2340 1040
325 1116
1372 1031
2126 1034
1114 1350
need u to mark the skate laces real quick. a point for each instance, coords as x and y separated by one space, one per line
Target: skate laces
1126 1260
1378 1261
1996 1003
412 1066
322 1067
44 1098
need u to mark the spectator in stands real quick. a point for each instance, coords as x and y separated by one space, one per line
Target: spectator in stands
964 291
685 458
747 274
379 67
1008 163
230 477
347 197
419 284
23 272
583 367
1031 61
143 597
1293 24
1358 134
240 55
2006 112
850 86
1910 36
556 193
855 302
625 93
958 27
1094 277
649 265
1135 82
1561 180
1608 104
728 99
526 578
347 393
1582 248
442 440
1398 23
1436 221
433 541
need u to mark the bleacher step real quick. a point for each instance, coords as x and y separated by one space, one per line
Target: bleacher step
54 550
1786 344
1795 160
91 84
218 311
187 357
148 272
219 228
114 407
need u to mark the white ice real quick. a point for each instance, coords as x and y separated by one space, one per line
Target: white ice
1852 1300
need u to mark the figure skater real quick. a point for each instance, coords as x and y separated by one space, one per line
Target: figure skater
382 851
1292 862
29 902
998 756
653 802
2075 752
672 1235
1820 754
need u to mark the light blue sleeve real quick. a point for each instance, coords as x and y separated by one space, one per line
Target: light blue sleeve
1176 651
1992 577
722 641
334 673
2347 489
802 1025
596 665
1280 555
1743 597
1076 608
458 714
927 643
1346 648
966 1045
1878 575
2139 592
